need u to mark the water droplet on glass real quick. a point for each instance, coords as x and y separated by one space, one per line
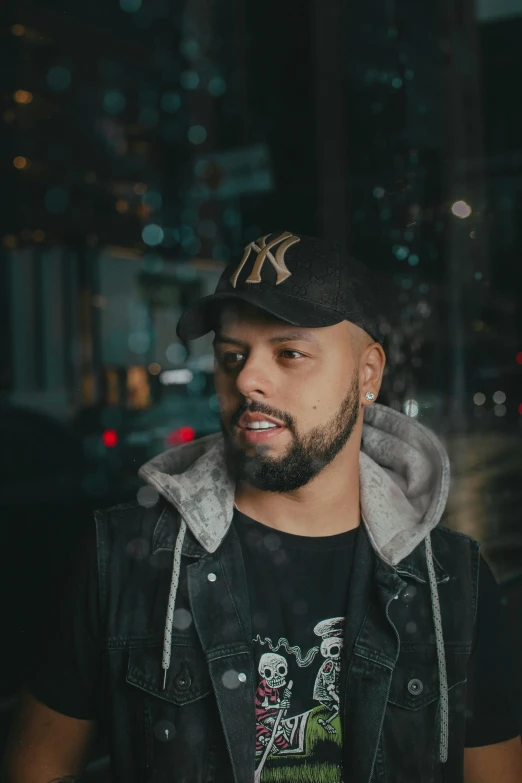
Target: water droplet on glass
147 496
182 619
164 730
138 548
409 594
230 679
272 542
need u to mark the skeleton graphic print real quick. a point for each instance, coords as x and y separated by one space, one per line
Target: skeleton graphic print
281 729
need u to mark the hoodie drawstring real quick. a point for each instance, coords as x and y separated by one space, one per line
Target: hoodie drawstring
176 569
441 656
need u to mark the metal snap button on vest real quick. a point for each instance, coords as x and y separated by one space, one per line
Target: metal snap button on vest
211 577
415 687
183 680
241 677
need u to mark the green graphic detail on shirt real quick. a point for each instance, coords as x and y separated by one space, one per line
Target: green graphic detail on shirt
293 768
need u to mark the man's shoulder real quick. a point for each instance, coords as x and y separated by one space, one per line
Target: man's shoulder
118 511
128 521
453 538
456 552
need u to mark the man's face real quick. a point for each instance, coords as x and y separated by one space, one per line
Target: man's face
306 380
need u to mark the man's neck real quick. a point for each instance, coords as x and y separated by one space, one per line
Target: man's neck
328 505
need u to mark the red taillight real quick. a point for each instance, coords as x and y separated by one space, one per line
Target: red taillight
110 438
181 435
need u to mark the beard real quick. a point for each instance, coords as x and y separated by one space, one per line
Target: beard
307 455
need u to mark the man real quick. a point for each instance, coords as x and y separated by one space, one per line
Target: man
286 607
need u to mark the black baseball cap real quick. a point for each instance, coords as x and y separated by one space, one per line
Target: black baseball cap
301 280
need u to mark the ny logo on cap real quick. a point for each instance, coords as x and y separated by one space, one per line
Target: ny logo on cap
264 251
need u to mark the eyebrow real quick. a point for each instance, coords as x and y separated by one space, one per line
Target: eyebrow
276 340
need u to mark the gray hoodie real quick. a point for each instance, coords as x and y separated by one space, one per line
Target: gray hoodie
404 482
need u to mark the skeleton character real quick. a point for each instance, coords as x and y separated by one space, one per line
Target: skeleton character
326 688
273 670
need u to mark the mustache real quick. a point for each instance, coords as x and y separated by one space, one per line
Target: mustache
257 407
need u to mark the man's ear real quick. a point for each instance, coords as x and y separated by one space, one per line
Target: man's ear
371 368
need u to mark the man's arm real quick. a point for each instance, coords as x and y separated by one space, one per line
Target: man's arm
44 745
499 763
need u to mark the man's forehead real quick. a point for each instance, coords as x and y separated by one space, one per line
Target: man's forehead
234 321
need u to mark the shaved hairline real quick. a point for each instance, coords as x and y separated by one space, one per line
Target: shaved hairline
359 338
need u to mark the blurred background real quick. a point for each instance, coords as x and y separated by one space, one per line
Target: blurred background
144 143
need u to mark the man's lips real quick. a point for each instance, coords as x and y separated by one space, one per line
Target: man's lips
248 418
260 435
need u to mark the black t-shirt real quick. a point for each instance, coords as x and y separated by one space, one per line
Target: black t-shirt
65 674
298 589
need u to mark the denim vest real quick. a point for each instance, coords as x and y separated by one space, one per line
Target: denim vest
204 719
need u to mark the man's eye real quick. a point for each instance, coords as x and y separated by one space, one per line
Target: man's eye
297 354
231 357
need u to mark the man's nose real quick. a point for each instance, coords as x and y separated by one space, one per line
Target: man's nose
254 379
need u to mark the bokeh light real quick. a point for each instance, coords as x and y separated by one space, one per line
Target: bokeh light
114 101
189 48
170 101
183 434
499 397
176 353
110 438
20 162
400 252
461 209
152 235
189 80
411 408
59 78
479 398
217 86
181 377
23 96
518 358
197 134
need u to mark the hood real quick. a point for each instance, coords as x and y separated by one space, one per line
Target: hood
404 483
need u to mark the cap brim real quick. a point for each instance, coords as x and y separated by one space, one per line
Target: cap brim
200 318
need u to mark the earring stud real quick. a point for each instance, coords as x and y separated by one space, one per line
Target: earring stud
370 396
